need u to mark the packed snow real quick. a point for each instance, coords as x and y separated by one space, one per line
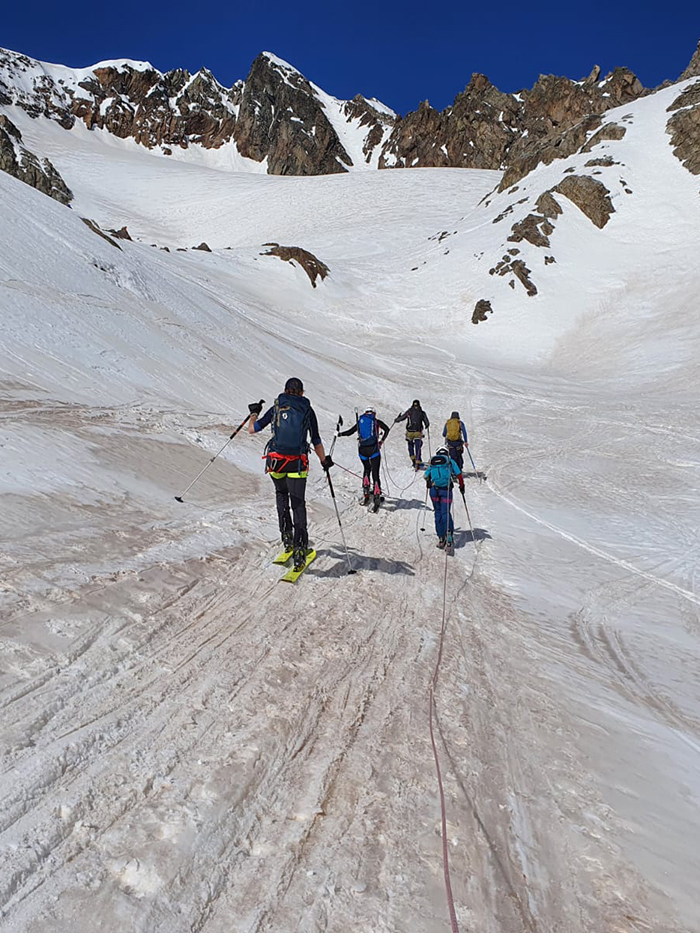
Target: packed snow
189 744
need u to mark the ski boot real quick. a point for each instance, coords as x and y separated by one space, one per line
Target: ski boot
378 497
366 495
442 542
288 540
299 556
449 543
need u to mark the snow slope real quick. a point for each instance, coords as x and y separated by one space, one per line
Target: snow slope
184 740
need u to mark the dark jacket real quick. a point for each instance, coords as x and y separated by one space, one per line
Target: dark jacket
416 418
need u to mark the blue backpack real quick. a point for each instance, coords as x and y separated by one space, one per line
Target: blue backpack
290 424
441 472
366 428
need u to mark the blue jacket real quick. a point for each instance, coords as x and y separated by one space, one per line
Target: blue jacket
435 474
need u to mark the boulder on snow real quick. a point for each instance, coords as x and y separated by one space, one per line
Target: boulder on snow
313 266
534 228
96 229
481 309
203 246
122 234
589 195
609 131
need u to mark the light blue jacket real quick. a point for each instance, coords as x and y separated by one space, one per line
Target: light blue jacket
433 472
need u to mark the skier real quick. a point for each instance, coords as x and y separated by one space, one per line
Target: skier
369 450
439 477
416 420
455 434
292 419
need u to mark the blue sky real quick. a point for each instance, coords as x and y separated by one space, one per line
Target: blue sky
401 53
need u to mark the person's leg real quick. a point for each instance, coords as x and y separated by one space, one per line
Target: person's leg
419 450
411 448
436 499
449 523
297 494
282 502
367 467
376 485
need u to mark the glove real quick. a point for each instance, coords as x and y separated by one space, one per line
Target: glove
327 463
460 480
255 408
428 483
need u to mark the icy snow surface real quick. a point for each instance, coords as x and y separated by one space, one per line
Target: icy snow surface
189 744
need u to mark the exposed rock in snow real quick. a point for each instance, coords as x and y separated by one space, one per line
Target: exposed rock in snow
17 160
311 265
684 127
590 196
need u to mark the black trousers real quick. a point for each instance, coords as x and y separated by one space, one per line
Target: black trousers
456 449
290 492
371 461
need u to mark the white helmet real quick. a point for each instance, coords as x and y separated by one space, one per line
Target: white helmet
442 450
372 411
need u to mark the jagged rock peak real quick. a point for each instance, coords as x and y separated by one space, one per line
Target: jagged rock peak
693 69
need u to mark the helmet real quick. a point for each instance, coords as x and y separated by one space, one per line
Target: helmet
294 386
371 411
442 450
455 414
416 403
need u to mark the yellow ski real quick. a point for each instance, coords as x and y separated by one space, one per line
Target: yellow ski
293 575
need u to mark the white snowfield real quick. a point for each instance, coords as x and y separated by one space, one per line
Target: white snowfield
190 745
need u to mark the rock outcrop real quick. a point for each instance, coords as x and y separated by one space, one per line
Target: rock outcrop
305 145
590 196
18 161
312 266
693 69
684 127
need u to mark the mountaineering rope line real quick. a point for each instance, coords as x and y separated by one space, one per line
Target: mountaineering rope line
443 808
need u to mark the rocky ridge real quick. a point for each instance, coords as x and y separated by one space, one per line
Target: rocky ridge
280 119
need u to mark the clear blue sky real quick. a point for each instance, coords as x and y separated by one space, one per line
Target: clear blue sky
401 53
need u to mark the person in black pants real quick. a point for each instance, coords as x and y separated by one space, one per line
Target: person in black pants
416 419
292 419
369 450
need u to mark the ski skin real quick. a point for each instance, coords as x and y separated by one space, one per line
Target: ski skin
283 557
293 575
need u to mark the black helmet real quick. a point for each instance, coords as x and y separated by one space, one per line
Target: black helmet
416 403
455 414
294 386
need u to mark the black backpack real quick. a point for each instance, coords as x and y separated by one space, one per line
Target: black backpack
290 424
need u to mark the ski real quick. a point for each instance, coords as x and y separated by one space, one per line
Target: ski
293 575
377 502
283 557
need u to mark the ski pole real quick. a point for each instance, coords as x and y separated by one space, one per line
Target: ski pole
471 527
430 452
478 475
335 436
340 524
425 506
212 459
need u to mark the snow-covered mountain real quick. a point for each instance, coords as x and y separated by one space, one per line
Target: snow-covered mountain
184 745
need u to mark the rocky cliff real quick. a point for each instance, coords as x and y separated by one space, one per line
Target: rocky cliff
279 118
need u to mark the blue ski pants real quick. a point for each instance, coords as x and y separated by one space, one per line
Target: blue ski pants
442 503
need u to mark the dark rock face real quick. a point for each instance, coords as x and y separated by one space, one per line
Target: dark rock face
684 128
481 310
693 69
378 121
18 161
306 145
590 196
311 265
95 227
475 132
